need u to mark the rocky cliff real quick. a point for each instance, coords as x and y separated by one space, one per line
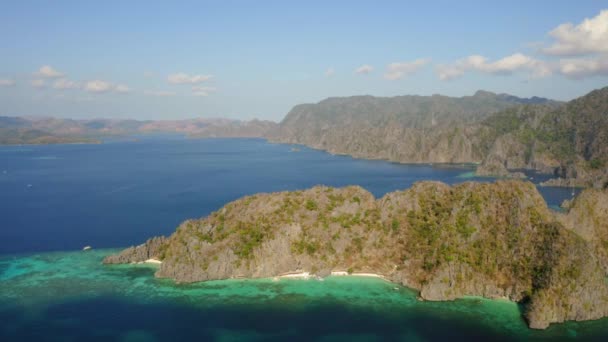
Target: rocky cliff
570 142
500 132
492 240
413 129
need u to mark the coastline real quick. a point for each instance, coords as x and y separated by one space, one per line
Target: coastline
552 182
308 275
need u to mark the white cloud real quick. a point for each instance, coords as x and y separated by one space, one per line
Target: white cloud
578 68
398 70
47 71
159 93
182 78
63 83
5 82
364 69
590 36
202 91
330 72
38 83
505 66
98 86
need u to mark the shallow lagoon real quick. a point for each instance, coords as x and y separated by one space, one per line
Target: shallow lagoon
72 296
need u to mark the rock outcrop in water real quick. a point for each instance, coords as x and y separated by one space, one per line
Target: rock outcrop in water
491 240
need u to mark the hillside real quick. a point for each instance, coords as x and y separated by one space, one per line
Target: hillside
24 136
409 129
491 240
570 142
501 132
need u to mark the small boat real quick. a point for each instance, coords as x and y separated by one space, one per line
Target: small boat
86 248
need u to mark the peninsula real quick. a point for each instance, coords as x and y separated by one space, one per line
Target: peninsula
472 239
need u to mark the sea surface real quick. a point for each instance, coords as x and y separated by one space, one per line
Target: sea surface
56 199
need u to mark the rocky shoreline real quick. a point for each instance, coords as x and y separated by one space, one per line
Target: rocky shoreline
495 240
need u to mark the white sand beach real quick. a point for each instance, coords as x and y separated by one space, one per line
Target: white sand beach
358 274
300 275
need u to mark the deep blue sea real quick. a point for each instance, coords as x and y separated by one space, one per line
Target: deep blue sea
56 199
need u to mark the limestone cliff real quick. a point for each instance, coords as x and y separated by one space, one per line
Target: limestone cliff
570 142
502 133
492 240
412 129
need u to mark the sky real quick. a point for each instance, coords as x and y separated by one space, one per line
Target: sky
258 59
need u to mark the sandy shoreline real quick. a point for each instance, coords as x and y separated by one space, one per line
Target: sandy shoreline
358 274
308 275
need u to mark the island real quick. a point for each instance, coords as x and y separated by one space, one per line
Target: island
496 240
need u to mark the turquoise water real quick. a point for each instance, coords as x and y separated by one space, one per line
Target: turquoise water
72 296
63 197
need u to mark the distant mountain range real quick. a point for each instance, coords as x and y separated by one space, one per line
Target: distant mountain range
501 132
15 130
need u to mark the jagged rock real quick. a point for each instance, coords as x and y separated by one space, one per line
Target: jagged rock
151 249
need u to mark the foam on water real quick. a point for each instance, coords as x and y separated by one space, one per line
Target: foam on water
63 294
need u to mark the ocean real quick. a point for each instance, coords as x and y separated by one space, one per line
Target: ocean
56 199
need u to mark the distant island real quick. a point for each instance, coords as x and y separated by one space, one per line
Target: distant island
502 133
16 130
496 240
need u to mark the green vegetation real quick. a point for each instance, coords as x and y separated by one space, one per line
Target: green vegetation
311 204
596 163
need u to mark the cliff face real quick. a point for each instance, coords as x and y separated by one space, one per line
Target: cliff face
492 240
570 142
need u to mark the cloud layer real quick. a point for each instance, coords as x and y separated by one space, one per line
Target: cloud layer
99 86
504 66
398 70
590 36
364 69
582 48
46 71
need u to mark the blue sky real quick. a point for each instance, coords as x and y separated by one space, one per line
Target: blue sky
246 59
